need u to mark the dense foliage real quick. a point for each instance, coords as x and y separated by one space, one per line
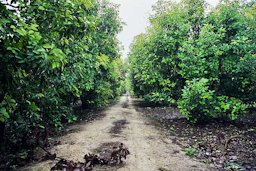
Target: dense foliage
53 53
202 58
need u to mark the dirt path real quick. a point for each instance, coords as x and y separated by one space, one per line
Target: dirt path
150 149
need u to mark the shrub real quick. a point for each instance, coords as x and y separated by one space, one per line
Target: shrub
159 98
197 101
229 108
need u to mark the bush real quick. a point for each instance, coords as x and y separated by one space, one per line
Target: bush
229 108
197 101
160 98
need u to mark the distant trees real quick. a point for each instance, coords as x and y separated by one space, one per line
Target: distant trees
203 60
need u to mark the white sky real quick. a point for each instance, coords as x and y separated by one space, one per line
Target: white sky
135 14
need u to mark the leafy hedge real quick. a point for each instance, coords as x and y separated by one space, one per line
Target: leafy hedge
202 58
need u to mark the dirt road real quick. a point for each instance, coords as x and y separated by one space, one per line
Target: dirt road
150 149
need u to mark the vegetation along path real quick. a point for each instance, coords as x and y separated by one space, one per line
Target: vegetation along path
150 150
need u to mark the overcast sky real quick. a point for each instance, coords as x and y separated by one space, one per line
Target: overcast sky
135 14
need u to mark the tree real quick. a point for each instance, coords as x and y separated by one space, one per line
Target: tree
185 45
51 52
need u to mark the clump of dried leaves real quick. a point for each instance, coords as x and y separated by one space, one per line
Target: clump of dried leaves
112 156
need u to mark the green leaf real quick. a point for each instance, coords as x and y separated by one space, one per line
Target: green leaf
21 31
47 46
55 65
58 52
68 13
41 8
87 3
13 27
4 114
41 126
33 27
34 107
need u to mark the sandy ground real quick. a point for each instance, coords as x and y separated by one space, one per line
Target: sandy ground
150 149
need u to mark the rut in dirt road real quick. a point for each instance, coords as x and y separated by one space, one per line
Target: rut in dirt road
150 149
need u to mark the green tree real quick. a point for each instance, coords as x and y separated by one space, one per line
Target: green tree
51 52
185 44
